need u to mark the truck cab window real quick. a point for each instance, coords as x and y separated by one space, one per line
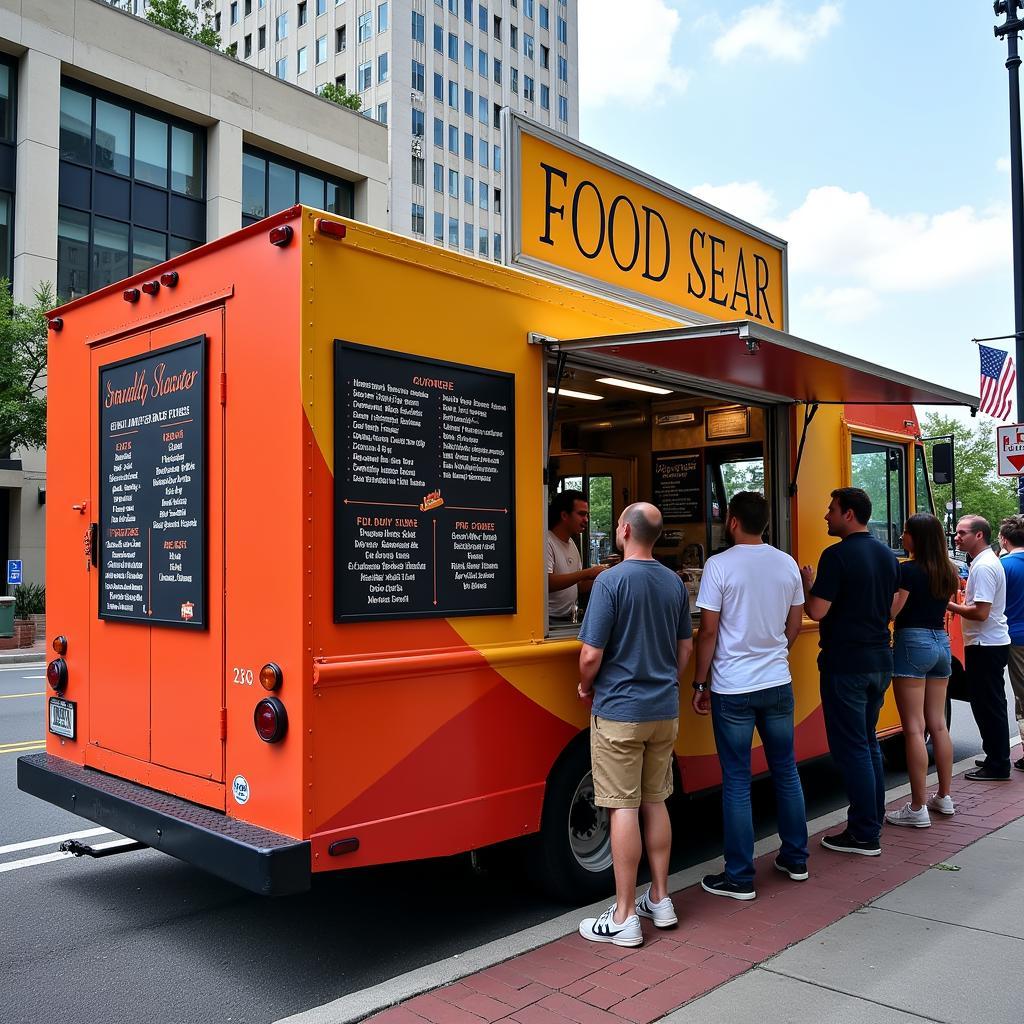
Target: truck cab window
922 483
881 470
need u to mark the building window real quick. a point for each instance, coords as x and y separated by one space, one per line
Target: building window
271 183
467 101
497 116
364 27
497 27
418 72
438 132
453 47
438 87
382 17
301 15
467 236
528 46
281 31
453 232
417 218
453 182
484 153
382 113
467 11
483 242
281 69
468 189
438 38
545 57
497 200
321 7
545 97
438 177
453 139
321 49
417 27
563 69
234 12
481 109
497 71
482 62
563 31
340 39
497 158
453 94
497 247
364 76
8 79
439 226
261 34
485 192
341 81
248 7
148 169
514 80
467 145
513 37
417 122
527 88
467 55
528 8
382 70
481 18
302 63
563 109
417 171
247 46
543 22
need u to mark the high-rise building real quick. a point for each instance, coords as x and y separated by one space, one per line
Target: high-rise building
437 73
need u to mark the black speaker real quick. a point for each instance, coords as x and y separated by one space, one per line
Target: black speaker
942 463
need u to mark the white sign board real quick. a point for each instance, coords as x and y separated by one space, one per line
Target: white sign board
1010 449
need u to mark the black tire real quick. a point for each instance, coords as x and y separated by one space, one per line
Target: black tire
894 753
571 857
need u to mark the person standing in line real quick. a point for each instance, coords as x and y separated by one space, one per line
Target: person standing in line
852 598
986 646
1011 540
922 665
751 600
568 515
637 640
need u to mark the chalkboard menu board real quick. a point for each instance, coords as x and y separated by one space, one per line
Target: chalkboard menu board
679 486
424 459
152 507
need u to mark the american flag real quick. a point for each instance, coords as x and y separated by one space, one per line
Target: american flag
997 380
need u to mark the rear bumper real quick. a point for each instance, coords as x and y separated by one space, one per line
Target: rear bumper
263 862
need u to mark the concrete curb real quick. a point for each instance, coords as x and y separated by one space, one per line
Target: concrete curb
26 658
357 1006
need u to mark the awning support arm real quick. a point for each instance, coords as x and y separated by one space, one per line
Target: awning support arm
553 411
809 413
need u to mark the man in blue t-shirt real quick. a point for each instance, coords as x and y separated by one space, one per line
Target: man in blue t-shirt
1011 540
637 639
852 599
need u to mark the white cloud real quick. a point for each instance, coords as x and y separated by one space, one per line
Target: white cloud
1003 165
841 305
747 199
775 31
643 68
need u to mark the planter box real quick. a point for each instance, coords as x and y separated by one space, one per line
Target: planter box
39 618
24 632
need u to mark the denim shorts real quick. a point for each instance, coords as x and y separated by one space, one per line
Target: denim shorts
920 653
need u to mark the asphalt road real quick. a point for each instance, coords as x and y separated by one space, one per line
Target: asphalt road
141 936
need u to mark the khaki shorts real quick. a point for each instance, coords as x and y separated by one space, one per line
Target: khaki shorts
1016 667
632 761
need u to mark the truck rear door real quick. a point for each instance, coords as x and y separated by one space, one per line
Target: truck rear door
157 623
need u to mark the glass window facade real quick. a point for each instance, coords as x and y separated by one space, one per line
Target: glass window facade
270 183
132 188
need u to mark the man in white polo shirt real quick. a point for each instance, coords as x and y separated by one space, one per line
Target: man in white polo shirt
986 646
751 604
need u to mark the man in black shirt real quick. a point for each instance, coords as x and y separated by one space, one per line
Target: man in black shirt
852 599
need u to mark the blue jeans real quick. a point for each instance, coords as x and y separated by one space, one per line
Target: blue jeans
851 704
734 717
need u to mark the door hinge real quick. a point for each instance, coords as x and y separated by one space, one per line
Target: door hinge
223 388
223 723
92 544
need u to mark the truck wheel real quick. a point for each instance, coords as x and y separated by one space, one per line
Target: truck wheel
572 856
894 753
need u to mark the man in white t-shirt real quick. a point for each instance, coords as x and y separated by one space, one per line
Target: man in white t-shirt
568 516
751 600
986 646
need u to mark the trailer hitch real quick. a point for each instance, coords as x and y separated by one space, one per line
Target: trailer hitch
77 849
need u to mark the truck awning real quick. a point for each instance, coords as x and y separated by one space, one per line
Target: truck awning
760 364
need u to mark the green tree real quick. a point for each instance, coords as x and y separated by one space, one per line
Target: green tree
195 23
979 489
23 369
340 95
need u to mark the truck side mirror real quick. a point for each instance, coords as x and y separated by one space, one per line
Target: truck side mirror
942 463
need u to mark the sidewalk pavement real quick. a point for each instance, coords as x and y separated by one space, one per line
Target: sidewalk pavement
896 939
20 655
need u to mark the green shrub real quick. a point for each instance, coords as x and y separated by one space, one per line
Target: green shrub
29 599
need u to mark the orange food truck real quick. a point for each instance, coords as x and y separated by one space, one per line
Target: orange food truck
297 504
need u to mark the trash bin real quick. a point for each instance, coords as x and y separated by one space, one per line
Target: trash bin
6 616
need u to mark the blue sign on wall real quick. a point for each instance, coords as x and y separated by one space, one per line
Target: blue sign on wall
13 571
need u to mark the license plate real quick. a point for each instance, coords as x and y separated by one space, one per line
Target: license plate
62 717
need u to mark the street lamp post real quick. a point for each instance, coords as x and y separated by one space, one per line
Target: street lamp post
1010 28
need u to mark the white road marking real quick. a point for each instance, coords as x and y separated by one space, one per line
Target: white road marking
26 666
9 696
46 858
30 844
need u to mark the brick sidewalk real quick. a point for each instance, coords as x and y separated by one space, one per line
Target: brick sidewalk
716 940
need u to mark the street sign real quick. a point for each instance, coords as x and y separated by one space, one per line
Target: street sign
1010 449
13 572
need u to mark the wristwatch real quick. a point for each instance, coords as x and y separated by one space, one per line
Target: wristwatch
700 687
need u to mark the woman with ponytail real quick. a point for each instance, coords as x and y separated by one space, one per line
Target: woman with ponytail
922 665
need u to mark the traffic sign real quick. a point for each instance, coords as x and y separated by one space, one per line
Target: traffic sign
13 571
1010 449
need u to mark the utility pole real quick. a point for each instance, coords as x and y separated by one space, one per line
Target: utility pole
1010 28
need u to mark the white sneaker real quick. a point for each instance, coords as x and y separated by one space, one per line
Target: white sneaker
604 929
662 913
941 804
906 815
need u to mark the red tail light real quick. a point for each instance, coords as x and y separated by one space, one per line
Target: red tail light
57 674
281 235
270 719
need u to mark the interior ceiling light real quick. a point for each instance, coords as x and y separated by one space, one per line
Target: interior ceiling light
633 385
576 394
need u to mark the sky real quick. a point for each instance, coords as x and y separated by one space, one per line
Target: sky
872 135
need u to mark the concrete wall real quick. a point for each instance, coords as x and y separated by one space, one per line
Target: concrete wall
100 45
